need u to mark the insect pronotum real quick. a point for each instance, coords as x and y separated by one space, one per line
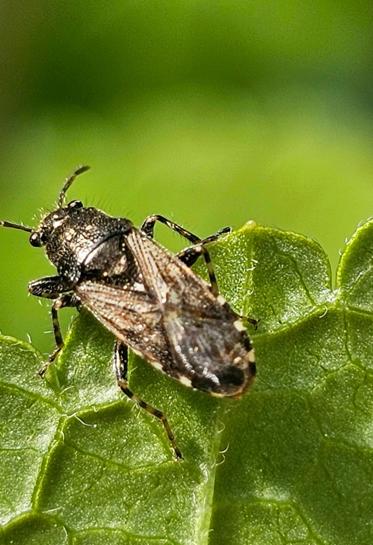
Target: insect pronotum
147 297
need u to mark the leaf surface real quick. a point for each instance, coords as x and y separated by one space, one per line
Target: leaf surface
289 464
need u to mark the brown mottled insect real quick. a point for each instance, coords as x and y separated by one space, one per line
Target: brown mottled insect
147 297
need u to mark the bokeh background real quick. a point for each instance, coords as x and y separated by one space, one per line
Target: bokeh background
211 113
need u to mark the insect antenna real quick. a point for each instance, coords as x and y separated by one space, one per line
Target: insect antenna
15 226
68 182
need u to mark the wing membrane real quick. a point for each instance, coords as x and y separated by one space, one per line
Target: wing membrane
211 352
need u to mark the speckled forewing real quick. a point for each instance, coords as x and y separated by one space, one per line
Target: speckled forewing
130 314
209 345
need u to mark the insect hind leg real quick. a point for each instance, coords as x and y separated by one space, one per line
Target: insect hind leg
120 364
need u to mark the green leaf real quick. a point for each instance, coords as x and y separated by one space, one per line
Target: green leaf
290 463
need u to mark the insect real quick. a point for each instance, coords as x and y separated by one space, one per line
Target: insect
147 297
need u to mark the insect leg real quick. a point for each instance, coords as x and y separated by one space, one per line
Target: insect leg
190 255
49 287
120 363
148 228
64 300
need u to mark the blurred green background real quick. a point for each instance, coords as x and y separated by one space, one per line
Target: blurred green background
211 113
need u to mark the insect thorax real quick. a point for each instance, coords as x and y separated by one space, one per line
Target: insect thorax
74 237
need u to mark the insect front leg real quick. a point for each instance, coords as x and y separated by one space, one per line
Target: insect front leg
120 364
64 300
54 287
49 287
148 228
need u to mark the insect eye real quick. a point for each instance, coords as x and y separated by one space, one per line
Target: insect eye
37 239
75 204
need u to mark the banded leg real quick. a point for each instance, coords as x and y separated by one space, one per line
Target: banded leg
120 364
64 300
190 255
148 228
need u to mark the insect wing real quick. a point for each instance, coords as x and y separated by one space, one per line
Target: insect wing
209 346
162 272
130 314
211 353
